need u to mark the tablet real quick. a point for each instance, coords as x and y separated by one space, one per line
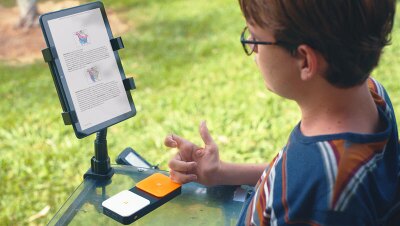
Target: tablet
87 72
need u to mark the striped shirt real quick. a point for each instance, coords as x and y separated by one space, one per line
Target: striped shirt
341 179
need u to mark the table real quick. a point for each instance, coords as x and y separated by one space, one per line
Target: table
196 205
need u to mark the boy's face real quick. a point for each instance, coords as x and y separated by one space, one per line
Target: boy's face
278 67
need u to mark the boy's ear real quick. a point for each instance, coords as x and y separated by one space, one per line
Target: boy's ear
309 62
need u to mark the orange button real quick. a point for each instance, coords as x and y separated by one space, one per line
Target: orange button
158 185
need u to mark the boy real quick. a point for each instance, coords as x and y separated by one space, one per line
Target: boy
341 163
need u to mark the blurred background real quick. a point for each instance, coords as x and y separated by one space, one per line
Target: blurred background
189 66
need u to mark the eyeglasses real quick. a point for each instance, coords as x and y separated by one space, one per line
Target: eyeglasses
250 44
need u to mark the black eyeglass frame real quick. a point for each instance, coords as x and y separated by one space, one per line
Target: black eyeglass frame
245 41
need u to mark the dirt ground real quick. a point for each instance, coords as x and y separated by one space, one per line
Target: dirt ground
18 46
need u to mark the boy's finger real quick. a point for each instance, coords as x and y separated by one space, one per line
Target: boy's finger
179 141
181 166
205 134
170 142
177 157
174 141
182 178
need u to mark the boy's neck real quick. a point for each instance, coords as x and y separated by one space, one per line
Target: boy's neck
340 110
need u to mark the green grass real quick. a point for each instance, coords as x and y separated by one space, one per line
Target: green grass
188 66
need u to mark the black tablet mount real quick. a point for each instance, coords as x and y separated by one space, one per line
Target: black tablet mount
100 163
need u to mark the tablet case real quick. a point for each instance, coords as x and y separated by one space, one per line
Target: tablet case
50 56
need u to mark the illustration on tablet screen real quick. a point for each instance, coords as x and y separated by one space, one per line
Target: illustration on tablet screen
93 74
82 37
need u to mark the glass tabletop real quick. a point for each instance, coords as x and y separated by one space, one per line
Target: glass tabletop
196 205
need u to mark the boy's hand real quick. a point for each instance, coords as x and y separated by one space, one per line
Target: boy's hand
194 163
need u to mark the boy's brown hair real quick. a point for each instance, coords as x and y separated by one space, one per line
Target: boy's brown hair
350 34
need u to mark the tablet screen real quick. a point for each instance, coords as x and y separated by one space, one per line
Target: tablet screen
89 66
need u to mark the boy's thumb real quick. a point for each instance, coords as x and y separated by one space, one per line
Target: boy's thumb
205 134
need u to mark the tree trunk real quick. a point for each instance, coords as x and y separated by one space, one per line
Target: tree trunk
28 13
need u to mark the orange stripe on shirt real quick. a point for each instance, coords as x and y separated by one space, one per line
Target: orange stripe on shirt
374 92
372 85
256 199
260 207
352 157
